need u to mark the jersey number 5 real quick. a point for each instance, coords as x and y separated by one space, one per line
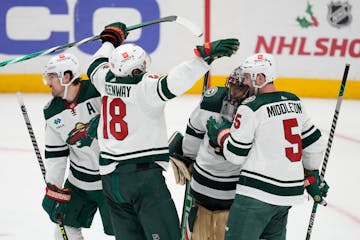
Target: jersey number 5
293 139
116 111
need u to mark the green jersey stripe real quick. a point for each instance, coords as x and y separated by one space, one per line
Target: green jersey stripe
236 150
163 90
96 65
57 154
150 158
83 176
270 188
311 139
191 131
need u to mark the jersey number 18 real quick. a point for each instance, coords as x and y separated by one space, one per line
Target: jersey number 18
116 111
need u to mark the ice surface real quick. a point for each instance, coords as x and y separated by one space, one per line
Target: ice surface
21 215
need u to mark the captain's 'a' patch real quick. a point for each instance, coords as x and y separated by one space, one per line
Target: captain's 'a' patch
211 92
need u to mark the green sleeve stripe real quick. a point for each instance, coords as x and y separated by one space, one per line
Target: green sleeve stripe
240 143
236 150
192 132
94 65
270 188
57 146
163 90
309 130
57 154
311 138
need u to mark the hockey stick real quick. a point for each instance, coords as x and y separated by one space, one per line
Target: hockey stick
188 202
188 199
180 20
38 154
328 148
206 82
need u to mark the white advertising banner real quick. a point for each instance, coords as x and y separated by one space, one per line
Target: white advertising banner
309 39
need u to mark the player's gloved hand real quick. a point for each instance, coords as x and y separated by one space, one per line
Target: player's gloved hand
210 51
181 165
217 131
55 202
316 190
114 33
92 127
182 168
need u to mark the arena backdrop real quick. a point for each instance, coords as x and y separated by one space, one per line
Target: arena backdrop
312 40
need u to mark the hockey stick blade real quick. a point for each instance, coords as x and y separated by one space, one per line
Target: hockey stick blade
189 25
86 40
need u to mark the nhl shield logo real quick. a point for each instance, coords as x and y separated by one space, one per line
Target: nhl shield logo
339 14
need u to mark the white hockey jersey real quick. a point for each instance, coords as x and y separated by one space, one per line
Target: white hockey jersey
66 138
132 124
273 140
214 179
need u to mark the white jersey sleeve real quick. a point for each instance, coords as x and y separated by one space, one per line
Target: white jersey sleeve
183 76
313 144
55 166
239 143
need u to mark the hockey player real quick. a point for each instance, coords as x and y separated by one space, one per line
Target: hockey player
213 179
274 142
68 115
132 131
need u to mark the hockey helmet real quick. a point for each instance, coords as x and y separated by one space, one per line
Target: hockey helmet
60 64
235 82
260 63
128 57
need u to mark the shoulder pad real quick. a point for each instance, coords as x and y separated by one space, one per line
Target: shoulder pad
213 99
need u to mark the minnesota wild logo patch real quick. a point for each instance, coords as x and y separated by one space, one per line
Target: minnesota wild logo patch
211 92
79 135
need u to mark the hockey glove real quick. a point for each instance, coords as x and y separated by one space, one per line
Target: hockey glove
114 33
93 126
210 51
55 202
316 190
182 171
181 165
218 132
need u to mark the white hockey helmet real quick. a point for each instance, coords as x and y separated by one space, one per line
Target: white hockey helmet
60 64
128 57
260 63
